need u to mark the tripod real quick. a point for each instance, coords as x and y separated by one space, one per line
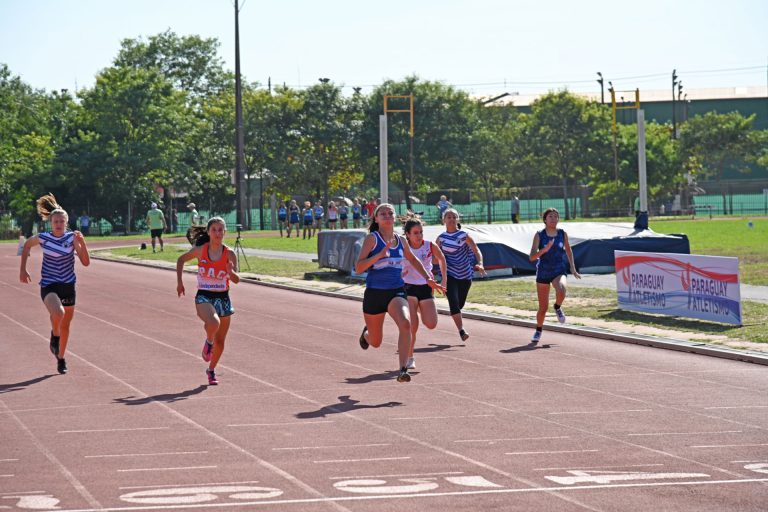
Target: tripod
240 252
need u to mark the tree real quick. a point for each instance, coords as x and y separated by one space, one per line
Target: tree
719 142
491 149
569 136
134 124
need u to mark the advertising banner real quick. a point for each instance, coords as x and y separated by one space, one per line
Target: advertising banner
687 285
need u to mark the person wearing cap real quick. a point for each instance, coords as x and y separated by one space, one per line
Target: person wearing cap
195 219
156 222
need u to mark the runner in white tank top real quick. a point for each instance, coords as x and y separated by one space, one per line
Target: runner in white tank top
420 295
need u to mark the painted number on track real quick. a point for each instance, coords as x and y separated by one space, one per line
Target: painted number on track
202 494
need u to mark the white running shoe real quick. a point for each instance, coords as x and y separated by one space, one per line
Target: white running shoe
560 315
411 364
536 337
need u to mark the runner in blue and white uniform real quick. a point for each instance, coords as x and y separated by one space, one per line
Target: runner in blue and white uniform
459 249
421 298
343 214
57 278
382 256
550 250
282 218
293 217
357 213
318 213
307 215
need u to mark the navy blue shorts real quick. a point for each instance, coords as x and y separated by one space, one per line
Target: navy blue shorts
219 300
376 301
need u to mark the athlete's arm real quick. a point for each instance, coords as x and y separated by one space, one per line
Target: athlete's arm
24 276
535 252
189 255
478 256
81 249
232 267
569 253
437 254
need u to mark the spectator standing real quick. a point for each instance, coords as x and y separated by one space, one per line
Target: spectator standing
515 210
85 224
442 205
156 222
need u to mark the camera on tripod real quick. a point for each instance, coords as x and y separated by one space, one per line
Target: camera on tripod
239 228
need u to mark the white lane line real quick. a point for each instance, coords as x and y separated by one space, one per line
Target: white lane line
491 441
586 468
278 424
562 489
599 412
401 475
739 407
726 445
159 486
8 460
20 492
687 433
6 476
331 446
443 417
164 469
111 430
336 461
142 454
552 452
747 461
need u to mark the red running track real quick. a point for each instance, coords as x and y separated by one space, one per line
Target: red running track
303 420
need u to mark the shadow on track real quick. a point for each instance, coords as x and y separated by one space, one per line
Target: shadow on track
436 348
345 404
167 398
373 377
18 386
526 348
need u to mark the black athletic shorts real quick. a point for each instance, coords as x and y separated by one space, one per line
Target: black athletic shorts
65 292
548 278
376 301
420 291
156 233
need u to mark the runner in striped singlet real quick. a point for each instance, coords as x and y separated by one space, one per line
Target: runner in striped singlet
382 256
421 298
216 267
57 278
550 250
458 248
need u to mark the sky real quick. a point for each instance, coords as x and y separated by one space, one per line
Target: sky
486 47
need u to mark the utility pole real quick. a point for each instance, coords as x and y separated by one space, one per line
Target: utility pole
602 91
239 137
674 123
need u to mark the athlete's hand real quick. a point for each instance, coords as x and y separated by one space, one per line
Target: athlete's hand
549 245
436 286
481 269
576 275
79 236
180 289
24 277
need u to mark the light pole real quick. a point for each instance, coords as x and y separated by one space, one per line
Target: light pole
239 137
674 123
602 92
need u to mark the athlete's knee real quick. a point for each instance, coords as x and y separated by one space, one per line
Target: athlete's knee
429 323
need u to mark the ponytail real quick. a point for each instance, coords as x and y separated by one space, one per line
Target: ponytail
47 206
200 234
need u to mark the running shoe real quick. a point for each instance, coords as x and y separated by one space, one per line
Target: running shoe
54 345
560 315
403 376
363 342
536 337
212 381
61 366
207 351
464 335
411 364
